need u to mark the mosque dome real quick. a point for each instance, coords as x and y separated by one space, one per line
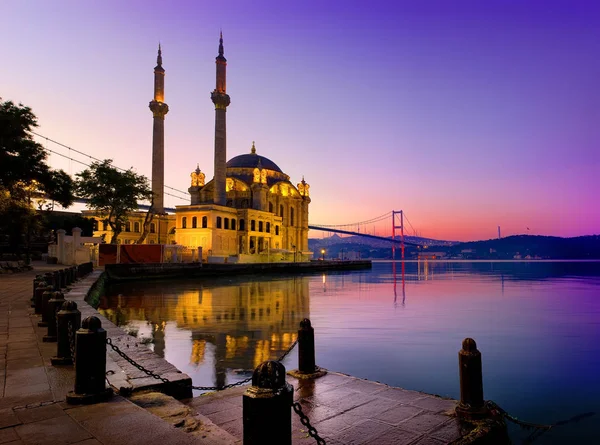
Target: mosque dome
253 160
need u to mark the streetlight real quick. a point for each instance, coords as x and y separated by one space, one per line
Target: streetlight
323 254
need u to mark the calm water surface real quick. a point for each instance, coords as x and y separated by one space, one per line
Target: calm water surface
536 324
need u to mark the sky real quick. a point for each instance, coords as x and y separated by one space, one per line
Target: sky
466 115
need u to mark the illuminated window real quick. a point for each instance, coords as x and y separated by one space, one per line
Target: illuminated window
184 222
152 228
194 222
219 222
204 222
136 227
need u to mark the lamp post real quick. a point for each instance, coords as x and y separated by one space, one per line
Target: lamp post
323 254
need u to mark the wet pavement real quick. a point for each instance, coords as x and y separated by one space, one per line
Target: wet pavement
348 410
32 391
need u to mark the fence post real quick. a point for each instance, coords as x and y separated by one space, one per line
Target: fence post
471 381
267 406
53 306
68 322
39 279
90 364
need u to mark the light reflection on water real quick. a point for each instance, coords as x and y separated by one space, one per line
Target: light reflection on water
537 325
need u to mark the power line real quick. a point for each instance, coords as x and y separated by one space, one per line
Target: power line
87 165
91 157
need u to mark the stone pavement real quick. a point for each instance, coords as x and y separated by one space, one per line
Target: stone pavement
32 391
348 410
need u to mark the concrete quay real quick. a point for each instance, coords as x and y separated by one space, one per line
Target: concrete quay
344 409
32 391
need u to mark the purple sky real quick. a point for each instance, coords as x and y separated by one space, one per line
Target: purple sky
467 115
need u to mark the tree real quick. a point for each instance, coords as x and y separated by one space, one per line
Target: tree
112 193
25 176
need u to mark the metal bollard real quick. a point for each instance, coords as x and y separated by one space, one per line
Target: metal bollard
267 406
306 348
63 278
46 296
53 306
49 277
74 273
37 302
307 368
68 321
90 364
56 280
471 381
39 279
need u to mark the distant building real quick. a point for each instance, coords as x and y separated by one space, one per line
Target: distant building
431 255
249 212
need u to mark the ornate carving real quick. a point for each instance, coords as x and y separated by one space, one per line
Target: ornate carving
303 188
229 185
263 176
256 174
159 109
221 100
197 177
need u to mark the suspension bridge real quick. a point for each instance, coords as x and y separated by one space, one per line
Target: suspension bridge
397 218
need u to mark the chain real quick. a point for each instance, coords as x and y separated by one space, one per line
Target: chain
242 382
199 388
525 425
130 361
71 336
312 432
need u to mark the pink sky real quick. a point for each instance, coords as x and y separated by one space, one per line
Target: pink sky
465 117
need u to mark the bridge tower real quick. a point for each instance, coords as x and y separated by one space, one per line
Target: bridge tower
221 101
397 223
159 110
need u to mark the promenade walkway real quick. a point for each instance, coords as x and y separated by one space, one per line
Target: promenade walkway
32 391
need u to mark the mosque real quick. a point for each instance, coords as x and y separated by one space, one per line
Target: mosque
249 212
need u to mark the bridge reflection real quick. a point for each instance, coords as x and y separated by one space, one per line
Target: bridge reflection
243 323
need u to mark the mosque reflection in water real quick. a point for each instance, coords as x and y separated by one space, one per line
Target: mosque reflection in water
243 322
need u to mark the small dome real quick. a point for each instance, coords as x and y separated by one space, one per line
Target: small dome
252 160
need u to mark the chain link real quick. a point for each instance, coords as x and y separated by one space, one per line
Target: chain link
199 388
525 425
312 431
71 336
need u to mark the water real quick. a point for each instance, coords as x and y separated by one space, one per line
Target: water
537 325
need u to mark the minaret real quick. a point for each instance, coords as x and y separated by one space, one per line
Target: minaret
159 109
221 101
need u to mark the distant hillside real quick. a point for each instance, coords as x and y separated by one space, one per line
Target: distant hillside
519 246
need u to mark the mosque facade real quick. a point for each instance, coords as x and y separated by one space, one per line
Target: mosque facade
249 212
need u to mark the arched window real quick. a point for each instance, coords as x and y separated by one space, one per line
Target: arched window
104 225
252 225
271 207
204 222
136 227
260 226
152 228
281 210
219 222
268 227
242 224
226 225
276 230
128 226
184 222
232 224
291 216
194 222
